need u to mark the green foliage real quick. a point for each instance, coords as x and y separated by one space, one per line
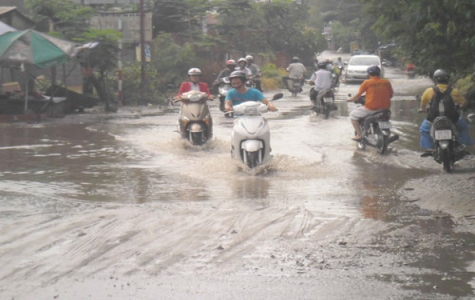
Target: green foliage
103 57
172 61
68 18
133 91
432 34
272 77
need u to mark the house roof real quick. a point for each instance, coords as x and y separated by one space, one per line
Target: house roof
5 9
14 10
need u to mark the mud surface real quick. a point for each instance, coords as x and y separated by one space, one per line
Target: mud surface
99 206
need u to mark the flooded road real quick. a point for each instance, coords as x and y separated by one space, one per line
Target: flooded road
124 209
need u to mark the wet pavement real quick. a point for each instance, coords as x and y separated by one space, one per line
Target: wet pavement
127 203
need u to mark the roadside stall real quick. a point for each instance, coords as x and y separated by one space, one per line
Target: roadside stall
27 51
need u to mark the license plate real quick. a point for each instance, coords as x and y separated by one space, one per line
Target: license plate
443 134
384 125
327 99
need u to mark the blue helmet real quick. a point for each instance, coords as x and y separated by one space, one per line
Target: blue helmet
374 70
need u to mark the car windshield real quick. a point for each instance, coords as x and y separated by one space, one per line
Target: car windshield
364 61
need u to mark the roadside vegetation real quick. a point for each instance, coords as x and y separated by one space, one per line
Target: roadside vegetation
430 34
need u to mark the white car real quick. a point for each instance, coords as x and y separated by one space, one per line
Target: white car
358 64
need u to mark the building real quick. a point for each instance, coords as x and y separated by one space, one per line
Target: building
10 15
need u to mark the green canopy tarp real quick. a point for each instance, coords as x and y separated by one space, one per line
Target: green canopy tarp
33 47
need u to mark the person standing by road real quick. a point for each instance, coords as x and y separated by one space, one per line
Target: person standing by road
379 92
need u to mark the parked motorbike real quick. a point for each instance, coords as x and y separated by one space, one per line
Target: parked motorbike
224 87
325 103
447 150
250 138
295 86
195 123
376 130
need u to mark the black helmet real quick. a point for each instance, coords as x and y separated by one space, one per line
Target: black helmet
441 76
238 74
374 70
322 65
295 59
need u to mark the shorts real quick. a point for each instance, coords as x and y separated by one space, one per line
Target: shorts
360 112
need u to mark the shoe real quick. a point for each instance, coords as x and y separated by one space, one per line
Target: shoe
427 153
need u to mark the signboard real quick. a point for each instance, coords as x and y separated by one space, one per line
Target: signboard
148 52
130 24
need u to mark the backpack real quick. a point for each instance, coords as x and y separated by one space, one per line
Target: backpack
442 104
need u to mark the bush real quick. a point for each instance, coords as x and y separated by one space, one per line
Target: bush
272 77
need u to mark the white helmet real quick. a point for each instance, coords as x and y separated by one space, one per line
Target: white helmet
194 71
249 57
242 59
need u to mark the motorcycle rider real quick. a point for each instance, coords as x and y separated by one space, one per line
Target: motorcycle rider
378 97
230 67
194 74
321 80
241 93
242 66
341 66
296 71
441 78
255 71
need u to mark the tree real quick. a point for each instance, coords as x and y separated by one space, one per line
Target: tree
65 17
432 34
102 59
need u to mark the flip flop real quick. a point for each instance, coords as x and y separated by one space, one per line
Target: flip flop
357 140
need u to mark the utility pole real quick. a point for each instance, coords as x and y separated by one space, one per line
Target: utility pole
142 42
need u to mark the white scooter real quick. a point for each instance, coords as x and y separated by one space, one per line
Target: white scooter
250 138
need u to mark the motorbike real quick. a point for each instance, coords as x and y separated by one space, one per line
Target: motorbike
376 130
325 103
447 150
195 122
250 138
224 87
411 73
295 86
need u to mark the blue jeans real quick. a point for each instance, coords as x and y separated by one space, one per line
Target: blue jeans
462 137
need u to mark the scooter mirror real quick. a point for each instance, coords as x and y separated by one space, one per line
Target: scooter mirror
277 96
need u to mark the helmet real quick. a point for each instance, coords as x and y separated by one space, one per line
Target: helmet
374 70
194 71
295 59
322 65
242 59
238 74
231 62
249 57
441 76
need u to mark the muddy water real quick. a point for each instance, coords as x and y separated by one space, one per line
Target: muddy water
321 207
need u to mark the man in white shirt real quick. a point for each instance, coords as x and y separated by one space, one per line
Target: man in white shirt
321 80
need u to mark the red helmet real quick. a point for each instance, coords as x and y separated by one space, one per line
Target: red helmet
231 62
